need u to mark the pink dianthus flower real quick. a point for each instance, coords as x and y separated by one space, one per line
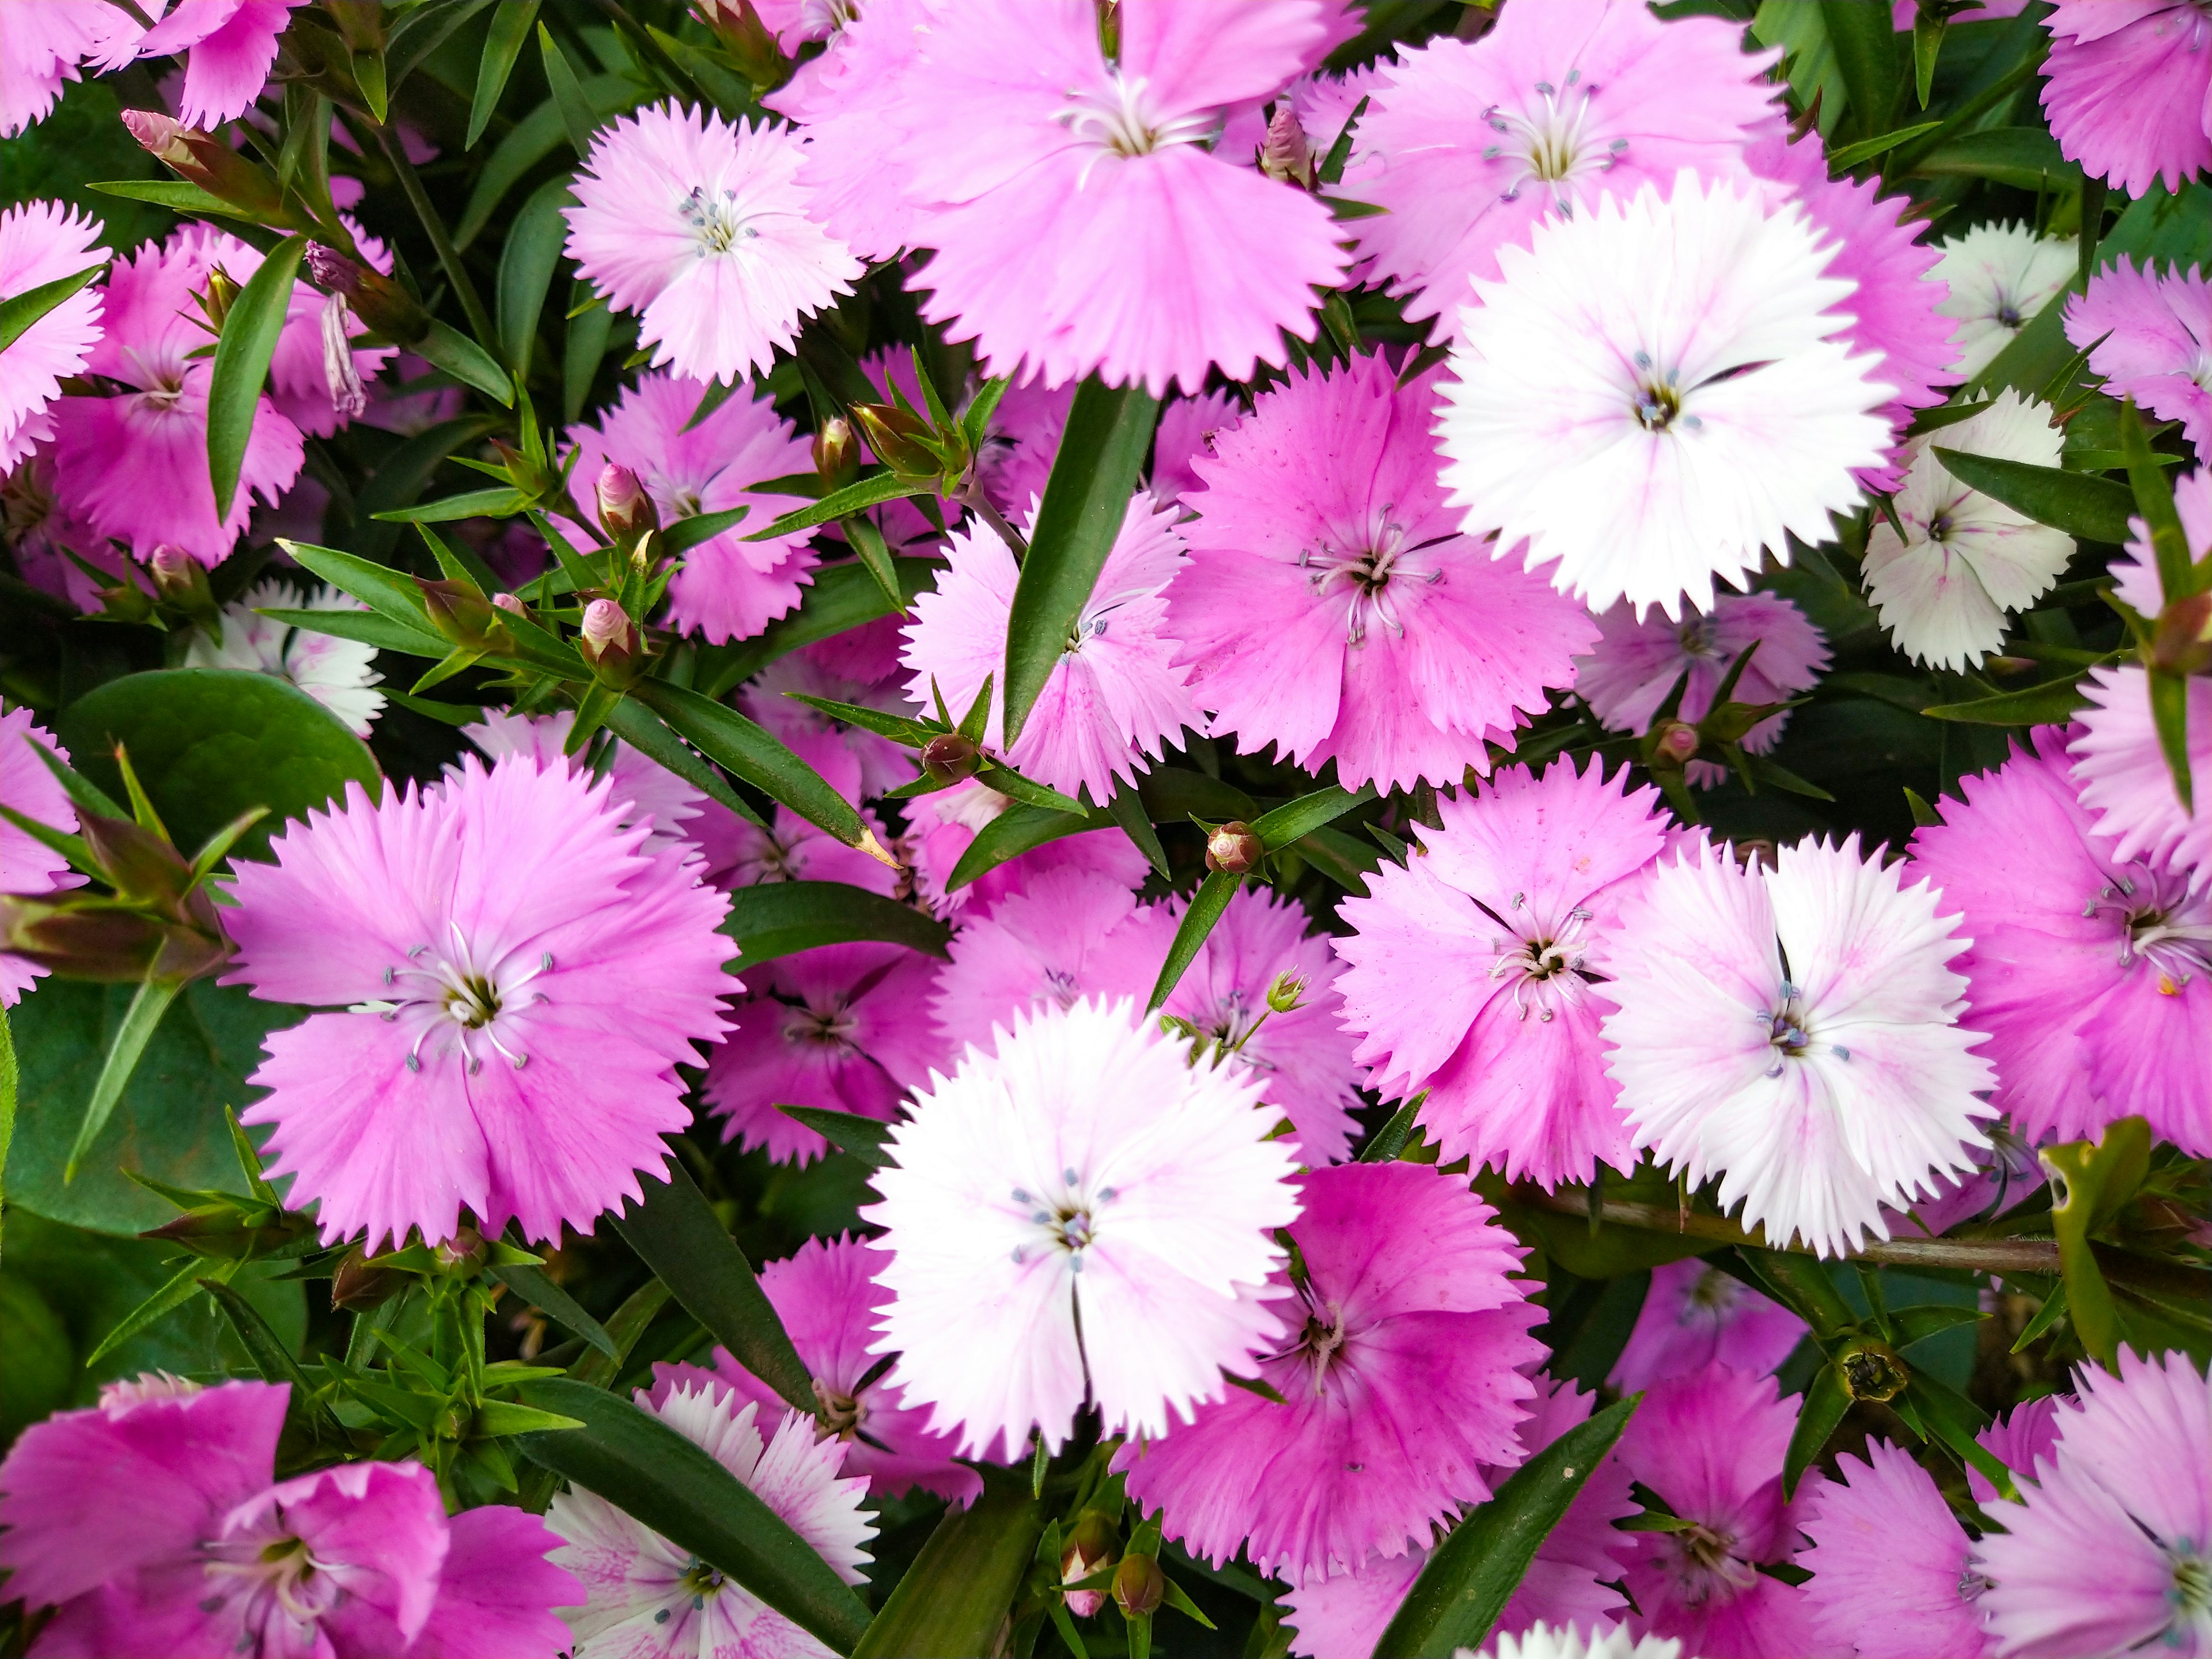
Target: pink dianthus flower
943 825
42 242
27 865
1332 606
230 48
789 848
515 977
1693 1315
1186 431
2150 336
1891 1574
2128 89
856 762
40 47
647 793
2127 783
1024 440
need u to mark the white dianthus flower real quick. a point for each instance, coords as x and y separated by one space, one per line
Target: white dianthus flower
336 673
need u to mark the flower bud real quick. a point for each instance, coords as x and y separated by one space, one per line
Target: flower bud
900 441
139 864
1286 155
178 577
949 756
204 160
1233 849
463 615
1286 993
748 40
375 298
610 641
626 511
106 946
1139 1586
1675 743
836 455
1088 1547
162 136
511 604
464 1253
217 298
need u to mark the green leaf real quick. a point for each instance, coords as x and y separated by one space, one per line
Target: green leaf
1016 831
1206 906
2052 703
210 743
677 1235
1844 160
402 476
590 333
182 1286
648 1471
366 626
1826 1400
1866 52
448 348
9 1077
1102 451
577 119
862 1137
2169 710
843 597
1301 817
1012 784
1127 807
780 918
644 731
510 27
1920 1323
871 491
1816 79
953 1601
2150 492
1390 1139
628 1324
382 589
148 1003
1470 1576
1927 41
539 1291
19 311
2090 1180
534 137
2080 503
686 534
241 364
526 265
496 1417
500 503
2026 158
739 746
177 196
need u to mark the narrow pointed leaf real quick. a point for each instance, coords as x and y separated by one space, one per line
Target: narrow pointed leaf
1128 810
868 492
448 348
647 733
1206 906
576 117
1014 832
843 597
2151 494
1297 819
241 365
510 28
539 1291
862 1137
526 265
897 727
2080 503
1390 1139
953 1601
779 918
1826 1400
19 311
182 1286
738 746
2027 158
1844 160
624 1327
874 554
1012 784
2169 710
686 534
501 502
2052 703
385 590
152 1001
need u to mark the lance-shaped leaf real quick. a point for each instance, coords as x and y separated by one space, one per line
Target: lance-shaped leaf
1206 908
1865 53
862 1137
510 27
526 264
241 365
1102 451
2052 703
953 1601
532 1285
2080 503
777 918
644 732
648 1471
1825 1402
181 1287
2151 494
868 492
19 311
1296 819
448 348
367 626
738 746
2027 158
680 538
1016 831
2090 1181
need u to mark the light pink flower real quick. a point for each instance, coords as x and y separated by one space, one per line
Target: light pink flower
1694 1314
2092 974
230 48
742 854
2127 783
842 1027
943 825
1891 1576
1473 967
650 1599
2024 1435
1083 1171
703 229
1332 607
1469 145
2150 336
28 866
856 762
1399 1374
1186 431
42 242
1794 1032
1024 440
729 588
40 47
2128 89
134 465
519 977
2112 1550
645 792
1114 697
854 171
827 1296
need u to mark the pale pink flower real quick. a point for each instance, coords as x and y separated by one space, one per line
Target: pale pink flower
852 168
2126 781
1114 697
2128 89
40 47
1470 145
1794 1032
1891 1576
703 229
335 672
650 1599
2150 336
943 825
842 1027
42 242
27 865
1473 965
1694 1314
742 854
1332 607
134 465
729 588
1024 442
827 1297
1660 391
519 975
644 792
230 48
2092 974
1085 1171
856 762
1399 1374
2112 1550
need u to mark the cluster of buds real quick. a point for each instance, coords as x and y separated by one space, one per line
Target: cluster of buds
913 447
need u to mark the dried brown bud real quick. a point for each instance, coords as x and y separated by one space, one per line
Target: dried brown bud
1234 849
1872 1371
377 300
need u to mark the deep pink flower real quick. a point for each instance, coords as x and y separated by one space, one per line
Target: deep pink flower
827 1297
742 854
647 792
1186 430
856 762
518 974
2150 336
843 1027
1468 145
2126 781
1709 1444
943 825
2111 1552
1399 1377
729 588
42 242
2092 976
2027 1432
135 464
1891 1576
1332 607
40 47
1472 969
27 865
496 1594
230 48
2128 89
1303 1056
1115 694
40 524
1694 1314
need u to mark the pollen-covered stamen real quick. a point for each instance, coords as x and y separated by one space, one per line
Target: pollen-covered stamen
1545 958
833 1027
717 223
1709 1562
275 1566
700 1581
1117 120
1371 573
2160 923
1551 141
1790 1030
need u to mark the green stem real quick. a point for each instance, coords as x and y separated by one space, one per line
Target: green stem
479 320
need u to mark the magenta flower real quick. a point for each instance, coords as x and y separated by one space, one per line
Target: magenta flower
1400 1372
1891 1574
496 1594
843 1027
1303 1056
40 47
729 588
1469 145
1694 1314
1473 967
1794 1032
134 464
742 854
1079 221
2128 89
2127 782
1186 431
515 976
27 865
2150 336
2092 976
941 826
42 242
828 1298
1634 665
2027 1432
1025 439
857 763
1115 696
645 792
1332 607
2112 1550
1709 1444
230 46
703 229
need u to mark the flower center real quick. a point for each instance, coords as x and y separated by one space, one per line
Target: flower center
452 992
1654 398
841 1414
717 224
822 1028
1548 140
700 1580
2191 1593
1544 960
1714 1296
1115 117
1067 1221
1366 573
276 1575
2159 924
1789 1029
1697 637
1710 1565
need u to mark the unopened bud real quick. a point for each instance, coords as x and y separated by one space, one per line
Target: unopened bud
162 136
611 643
463 1253
1676 743
1139 1586
900 441
463 615
835 456
357 1287
206 161
178 577
950 757
1234 849
1088 1547
747 39
511 604
1286 154
373 297
1285 995
626 511
139 864
217 298
1872 1371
